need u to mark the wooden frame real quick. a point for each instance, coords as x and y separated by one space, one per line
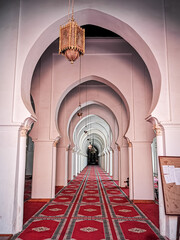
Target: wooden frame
169 166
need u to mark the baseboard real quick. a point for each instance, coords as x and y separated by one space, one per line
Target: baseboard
39 200
143 201
5 236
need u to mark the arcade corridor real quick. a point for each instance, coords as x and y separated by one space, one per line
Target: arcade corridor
120 96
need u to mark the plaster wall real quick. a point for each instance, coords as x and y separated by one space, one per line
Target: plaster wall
172 135
9 24
42 169
124 166
127 71
44 98
119 70
35 93
9 178
99 94
172 10
61 166
134 79
142 171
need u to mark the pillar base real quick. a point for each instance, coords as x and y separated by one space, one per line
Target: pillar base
143 201
6 236
39 200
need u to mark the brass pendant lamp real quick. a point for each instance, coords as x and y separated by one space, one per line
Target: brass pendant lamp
72 38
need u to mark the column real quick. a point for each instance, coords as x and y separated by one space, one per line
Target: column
20 181
142 171
119 161
21 177
8 179
111 153
160 152
70 164
54 152
29 156
131 188
43 169
115 164
107 161
104 161
101 161
75 163
78 162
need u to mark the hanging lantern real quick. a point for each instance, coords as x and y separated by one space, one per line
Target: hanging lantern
72 40
93 150
80 113
90 146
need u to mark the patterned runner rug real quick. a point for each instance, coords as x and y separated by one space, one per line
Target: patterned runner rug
91 207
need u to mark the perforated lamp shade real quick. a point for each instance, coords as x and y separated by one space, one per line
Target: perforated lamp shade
72 41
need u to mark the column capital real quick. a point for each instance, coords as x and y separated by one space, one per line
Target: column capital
129 142
157 127
117 147
28 122
112 150
70 148
158 130
26 126
55 142
23 131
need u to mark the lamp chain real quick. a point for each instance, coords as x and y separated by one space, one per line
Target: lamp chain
72 9
86 106
71 5
79 81
69 9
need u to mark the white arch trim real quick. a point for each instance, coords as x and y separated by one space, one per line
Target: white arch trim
95 125
86 79
94 17
88 116
94 121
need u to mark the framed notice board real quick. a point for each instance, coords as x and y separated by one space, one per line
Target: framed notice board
170 176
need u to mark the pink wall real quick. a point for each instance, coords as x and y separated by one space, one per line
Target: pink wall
125 70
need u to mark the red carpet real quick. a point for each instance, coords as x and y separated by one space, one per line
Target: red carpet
126 191
93 207
30 208
58 188
137 230
151 210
